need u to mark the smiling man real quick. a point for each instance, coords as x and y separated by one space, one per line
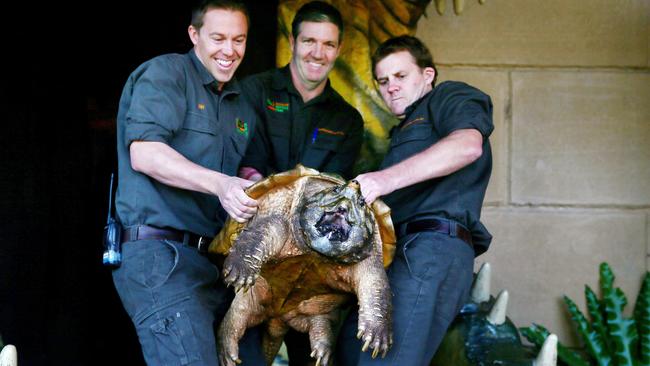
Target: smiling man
302 119
182 128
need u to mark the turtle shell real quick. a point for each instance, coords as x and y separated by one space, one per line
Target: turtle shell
224 240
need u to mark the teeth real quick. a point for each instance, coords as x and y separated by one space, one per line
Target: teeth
224 63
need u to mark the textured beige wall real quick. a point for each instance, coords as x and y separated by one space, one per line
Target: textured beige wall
570 83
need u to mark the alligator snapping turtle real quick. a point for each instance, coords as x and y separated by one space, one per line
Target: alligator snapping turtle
312 244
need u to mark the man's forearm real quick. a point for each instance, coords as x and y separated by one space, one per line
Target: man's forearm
447 156
166 165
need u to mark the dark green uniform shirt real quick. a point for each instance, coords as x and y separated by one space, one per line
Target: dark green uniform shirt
450 106
325 133
173 99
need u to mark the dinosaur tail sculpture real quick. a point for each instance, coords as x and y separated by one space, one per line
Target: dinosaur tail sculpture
483 335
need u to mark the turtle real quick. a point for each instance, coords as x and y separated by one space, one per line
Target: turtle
312 245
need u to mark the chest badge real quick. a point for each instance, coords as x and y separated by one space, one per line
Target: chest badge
276 106
201 106
242 127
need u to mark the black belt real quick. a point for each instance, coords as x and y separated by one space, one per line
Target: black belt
141 232
448 227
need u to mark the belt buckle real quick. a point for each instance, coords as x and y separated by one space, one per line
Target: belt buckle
200 243
453 228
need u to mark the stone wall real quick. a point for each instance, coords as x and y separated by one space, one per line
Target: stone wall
570 82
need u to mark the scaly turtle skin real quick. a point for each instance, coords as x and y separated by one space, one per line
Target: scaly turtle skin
312 244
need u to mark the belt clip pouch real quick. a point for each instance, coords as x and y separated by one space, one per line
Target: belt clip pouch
112 256
112 248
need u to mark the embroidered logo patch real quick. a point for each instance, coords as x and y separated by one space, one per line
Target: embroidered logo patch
276 106
201 106
242 127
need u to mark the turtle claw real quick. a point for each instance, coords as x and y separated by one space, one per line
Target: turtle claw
378 337
321 352
366 345
237 273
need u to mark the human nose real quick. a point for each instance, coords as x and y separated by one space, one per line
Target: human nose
393 86
228 48
317 52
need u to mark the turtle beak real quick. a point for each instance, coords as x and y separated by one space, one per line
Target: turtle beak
354 185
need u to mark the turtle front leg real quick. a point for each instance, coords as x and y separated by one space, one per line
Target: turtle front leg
373 292
262 239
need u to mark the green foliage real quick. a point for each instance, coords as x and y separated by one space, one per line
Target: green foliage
642 318
610 339
622 331
596 310
536 334
593 339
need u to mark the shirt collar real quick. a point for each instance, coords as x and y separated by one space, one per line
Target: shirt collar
414 105
282 81
208 79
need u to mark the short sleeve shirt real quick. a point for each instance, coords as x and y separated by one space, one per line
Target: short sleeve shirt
450 106
324 134
173 99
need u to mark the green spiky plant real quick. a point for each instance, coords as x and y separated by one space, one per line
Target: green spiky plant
610 339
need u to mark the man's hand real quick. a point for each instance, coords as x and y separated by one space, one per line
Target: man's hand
374 185
234 200
250 173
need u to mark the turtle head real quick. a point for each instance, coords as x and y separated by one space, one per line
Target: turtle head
338 224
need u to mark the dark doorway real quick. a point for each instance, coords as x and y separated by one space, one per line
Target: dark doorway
64 69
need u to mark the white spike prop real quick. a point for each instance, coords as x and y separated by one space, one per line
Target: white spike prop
481 289
497 315
9 356
548 354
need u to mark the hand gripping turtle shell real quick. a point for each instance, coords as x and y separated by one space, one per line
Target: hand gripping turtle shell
312 244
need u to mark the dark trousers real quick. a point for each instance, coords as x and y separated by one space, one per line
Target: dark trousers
175 298
430 279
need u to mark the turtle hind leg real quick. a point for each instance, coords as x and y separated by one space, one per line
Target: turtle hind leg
321 334
245 312
272 340
321 337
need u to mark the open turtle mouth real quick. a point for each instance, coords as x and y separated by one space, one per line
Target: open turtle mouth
334 225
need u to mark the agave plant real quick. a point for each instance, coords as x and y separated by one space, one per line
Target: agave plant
610 339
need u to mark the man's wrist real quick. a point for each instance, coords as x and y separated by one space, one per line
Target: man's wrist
249 173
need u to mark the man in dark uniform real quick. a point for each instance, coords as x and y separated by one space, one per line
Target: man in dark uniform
302 119
434 178
182 131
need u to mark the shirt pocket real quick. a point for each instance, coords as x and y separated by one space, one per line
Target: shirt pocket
322 150
234 150
408 142
200 141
